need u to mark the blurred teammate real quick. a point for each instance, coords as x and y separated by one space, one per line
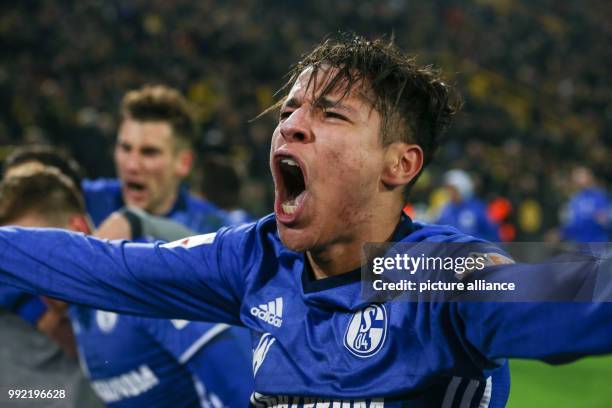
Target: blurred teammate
465 211
589 211
134 361
359 122
153 155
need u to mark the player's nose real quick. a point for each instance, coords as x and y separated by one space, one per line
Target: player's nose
297 127
132 162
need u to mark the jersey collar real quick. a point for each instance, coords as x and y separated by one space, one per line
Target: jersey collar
311 285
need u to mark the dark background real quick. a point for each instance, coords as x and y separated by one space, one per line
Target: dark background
534 76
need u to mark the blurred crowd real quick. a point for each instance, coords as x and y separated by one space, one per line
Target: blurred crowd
533 76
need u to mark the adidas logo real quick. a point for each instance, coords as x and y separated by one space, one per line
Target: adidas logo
271 313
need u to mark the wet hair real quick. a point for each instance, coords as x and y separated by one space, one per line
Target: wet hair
414 103
154 103
45 192
47 156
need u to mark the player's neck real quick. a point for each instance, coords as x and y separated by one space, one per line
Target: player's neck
166 205
345 256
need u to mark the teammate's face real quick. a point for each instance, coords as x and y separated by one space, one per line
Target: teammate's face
326 163
149 165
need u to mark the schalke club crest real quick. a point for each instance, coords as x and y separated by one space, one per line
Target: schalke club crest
366 331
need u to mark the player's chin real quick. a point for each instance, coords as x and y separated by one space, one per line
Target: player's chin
135 202
295 239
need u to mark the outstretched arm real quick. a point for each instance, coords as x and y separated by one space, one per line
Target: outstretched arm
567 315
200 280
552 332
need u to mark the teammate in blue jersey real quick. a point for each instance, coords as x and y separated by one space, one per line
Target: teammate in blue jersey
464 211
134 361
588 212
153 155
151 160
359 122
137 361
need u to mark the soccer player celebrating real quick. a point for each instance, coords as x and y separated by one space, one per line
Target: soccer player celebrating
359 122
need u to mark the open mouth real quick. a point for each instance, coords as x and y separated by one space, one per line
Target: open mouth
291 186
135 186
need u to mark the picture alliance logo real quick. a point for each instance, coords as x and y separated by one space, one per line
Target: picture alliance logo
271 313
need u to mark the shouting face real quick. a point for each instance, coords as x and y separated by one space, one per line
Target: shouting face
149 164
326 159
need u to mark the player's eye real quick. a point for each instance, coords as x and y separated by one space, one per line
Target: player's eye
150 151
285 114
334 115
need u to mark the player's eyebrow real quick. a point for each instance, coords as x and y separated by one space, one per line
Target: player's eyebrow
327 103
291 103
321 103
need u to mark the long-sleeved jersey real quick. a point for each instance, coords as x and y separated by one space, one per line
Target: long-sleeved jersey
135 361
316 342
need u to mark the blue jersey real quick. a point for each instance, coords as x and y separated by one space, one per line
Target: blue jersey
103 196
589 217
137 361
317 343
470 217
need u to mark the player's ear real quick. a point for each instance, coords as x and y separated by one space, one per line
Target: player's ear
79 223
184 162
402 162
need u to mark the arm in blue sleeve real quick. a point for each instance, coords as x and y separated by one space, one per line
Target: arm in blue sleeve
552 332
224 367
201 280
545 328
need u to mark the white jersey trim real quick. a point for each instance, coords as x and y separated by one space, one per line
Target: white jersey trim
192 241
199 343
486 395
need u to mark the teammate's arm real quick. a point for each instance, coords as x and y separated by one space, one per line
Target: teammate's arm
225 368
217 355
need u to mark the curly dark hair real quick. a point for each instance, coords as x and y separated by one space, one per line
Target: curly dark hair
415 105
